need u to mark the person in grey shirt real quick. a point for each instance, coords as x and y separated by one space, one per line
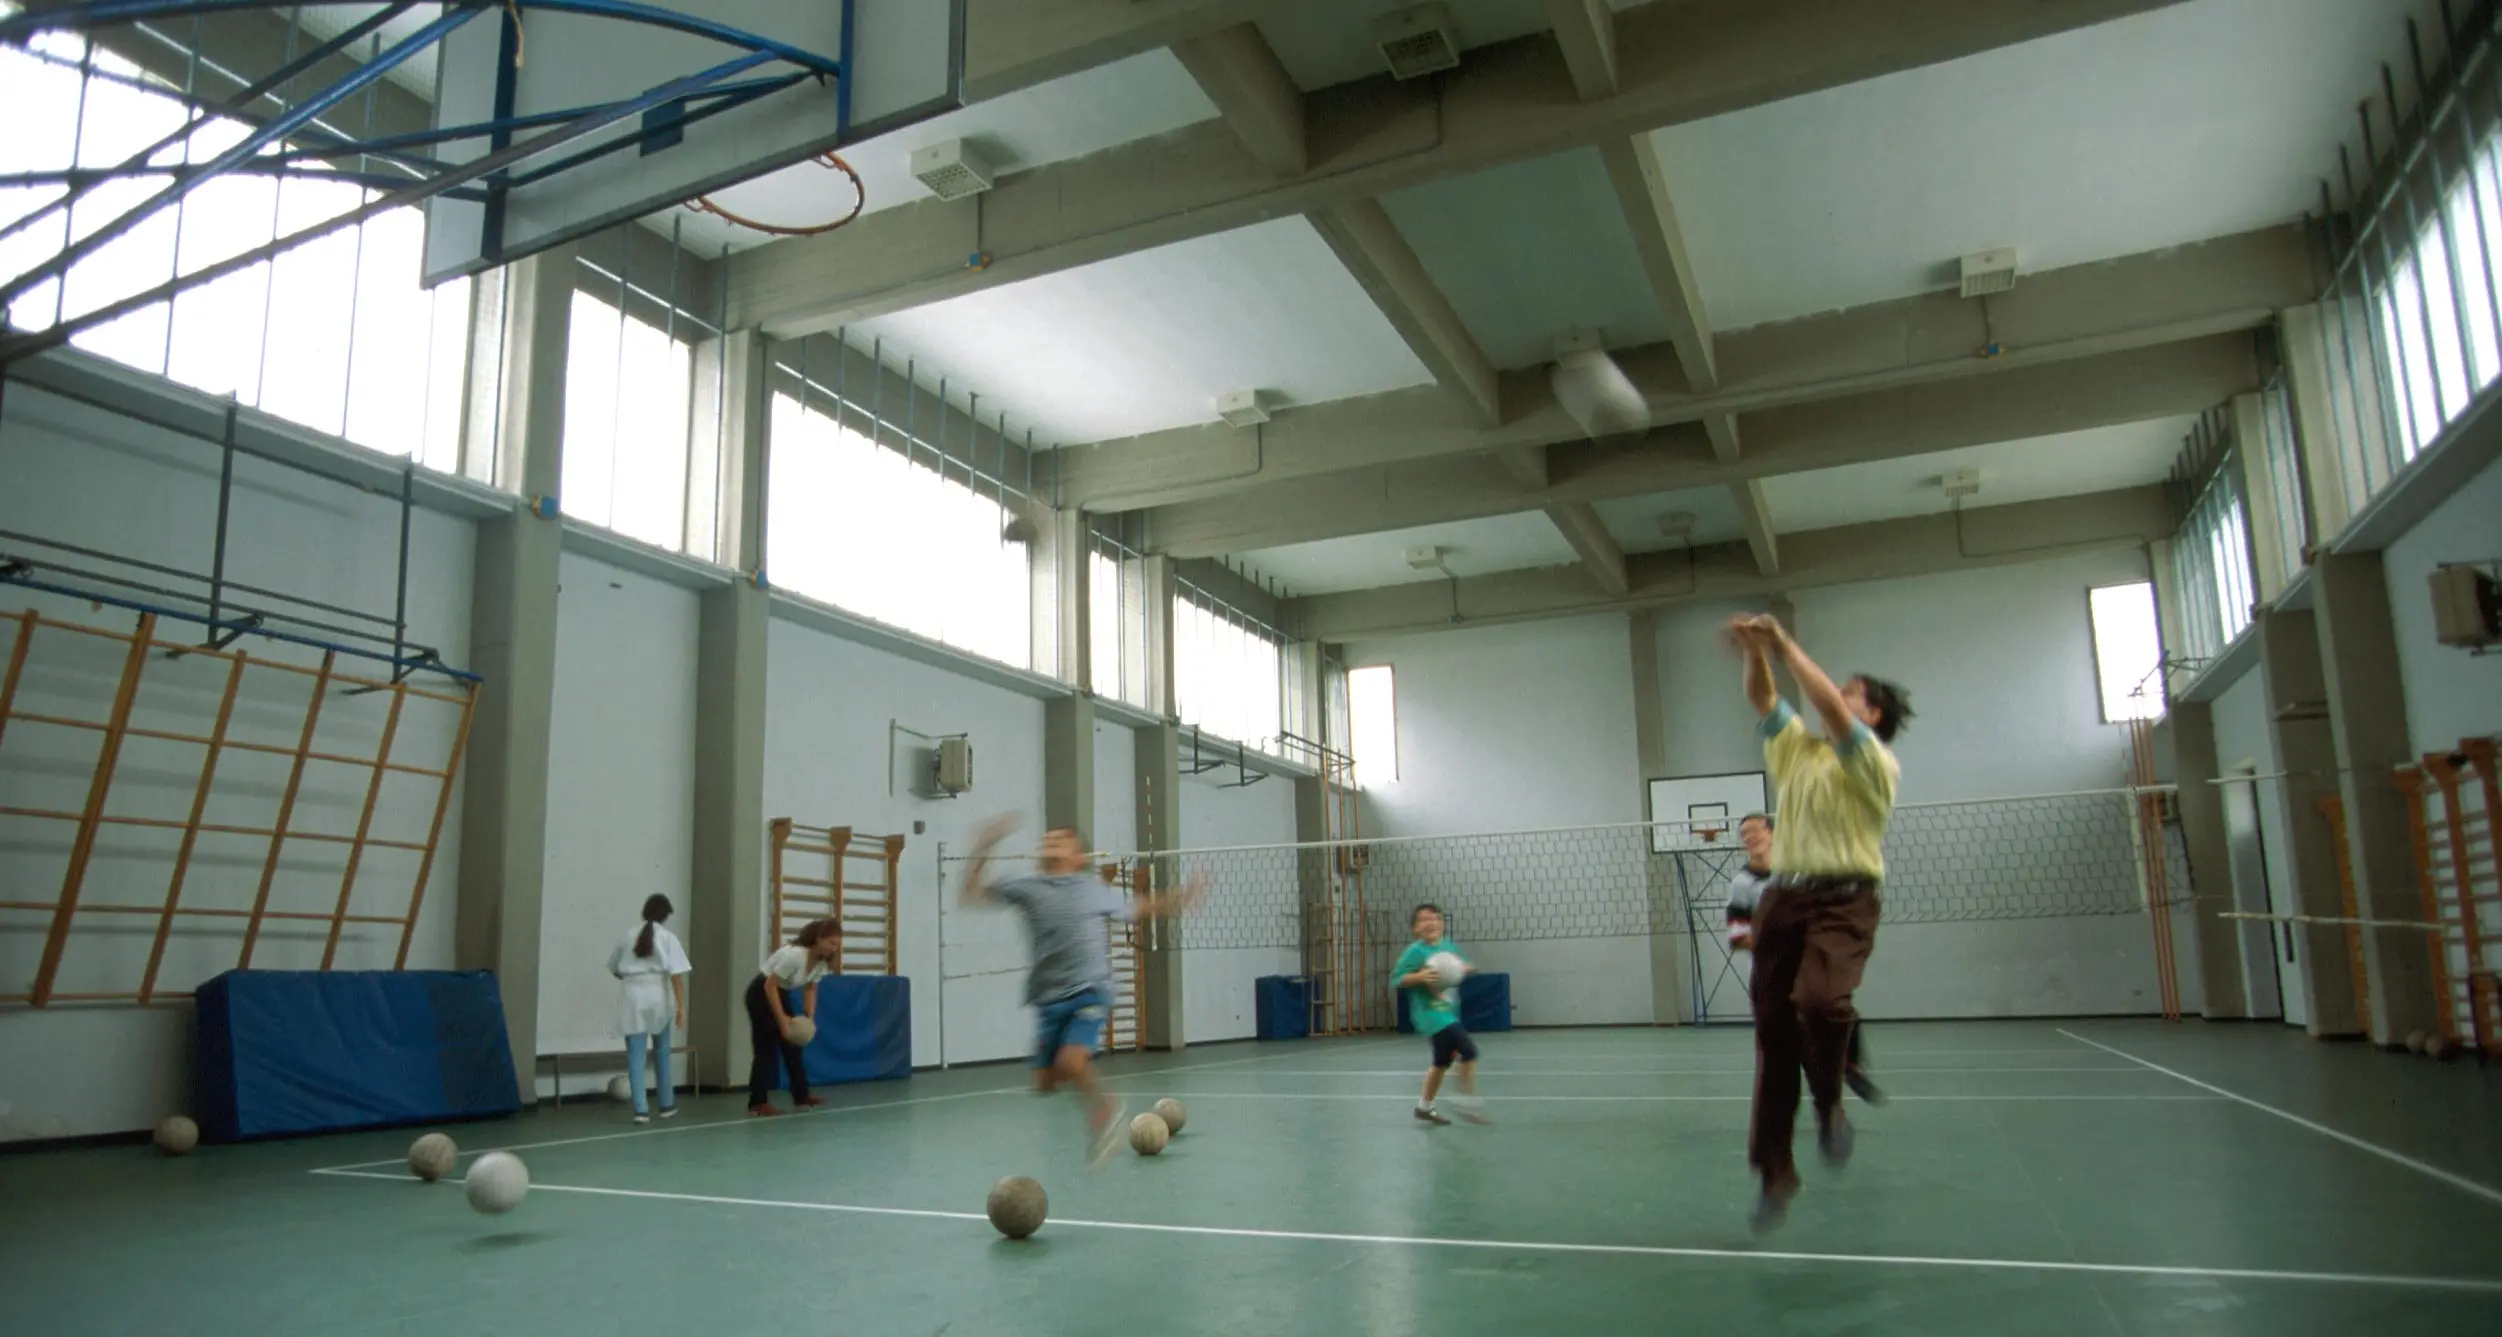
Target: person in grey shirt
1068 909
1747 888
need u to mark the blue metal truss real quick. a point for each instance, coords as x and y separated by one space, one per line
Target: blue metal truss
291 143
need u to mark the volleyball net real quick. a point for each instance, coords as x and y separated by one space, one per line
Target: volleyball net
2035 857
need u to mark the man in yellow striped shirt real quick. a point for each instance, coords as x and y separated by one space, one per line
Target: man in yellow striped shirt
1817 921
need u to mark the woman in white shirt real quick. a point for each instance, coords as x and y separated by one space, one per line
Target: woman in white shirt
651 966
796 966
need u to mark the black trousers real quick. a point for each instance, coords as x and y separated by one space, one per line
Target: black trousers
765 1035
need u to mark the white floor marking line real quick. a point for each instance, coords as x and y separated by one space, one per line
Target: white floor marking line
2460 1182
1507 1070
1503 1099
2474 1285
740 1122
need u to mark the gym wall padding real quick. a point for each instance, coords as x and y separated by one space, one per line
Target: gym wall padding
308 1051
1282 1006
1485 1004
864 1030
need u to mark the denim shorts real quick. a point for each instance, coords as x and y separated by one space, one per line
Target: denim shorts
1074 1020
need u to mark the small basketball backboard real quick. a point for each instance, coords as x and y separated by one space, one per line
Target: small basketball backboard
905 66
1701 812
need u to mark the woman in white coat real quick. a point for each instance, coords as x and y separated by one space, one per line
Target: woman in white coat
652 967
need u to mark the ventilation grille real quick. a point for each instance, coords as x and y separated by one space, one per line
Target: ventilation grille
1961 483
1417 42
1986 272
951 170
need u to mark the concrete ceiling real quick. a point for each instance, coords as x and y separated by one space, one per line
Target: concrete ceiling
2194 121
1332 43
1531 251
1473 548
1150 340
2067 465
1634 521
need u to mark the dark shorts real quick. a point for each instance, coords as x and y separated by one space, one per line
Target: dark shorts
1453 1042
1076 1020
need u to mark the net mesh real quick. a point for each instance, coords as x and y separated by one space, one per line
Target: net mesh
2049 856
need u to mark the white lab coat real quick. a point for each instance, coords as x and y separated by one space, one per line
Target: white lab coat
645 1004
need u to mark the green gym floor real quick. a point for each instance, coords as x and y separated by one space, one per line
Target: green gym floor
2029 1177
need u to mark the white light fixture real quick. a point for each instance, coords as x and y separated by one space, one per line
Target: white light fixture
952 169
1419 41
1593 391
1427 558
1242 408
1986 272
1961 483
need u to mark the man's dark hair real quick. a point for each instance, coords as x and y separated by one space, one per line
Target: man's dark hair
1891 703
1420 909
1082 847
1763 817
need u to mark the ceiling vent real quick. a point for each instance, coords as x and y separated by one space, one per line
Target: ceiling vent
1986 272
1961 483
1242 408
1593 391
1417 42
953 169
1678 526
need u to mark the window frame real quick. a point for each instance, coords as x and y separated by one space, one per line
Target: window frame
1355 730
2158 705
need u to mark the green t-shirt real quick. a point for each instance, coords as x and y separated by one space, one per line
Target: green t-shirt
1428 1007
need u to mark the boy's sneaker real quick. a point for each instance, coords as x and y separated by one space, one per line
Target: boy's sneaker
668 1111
1431 1115
1857 1079
642 1118
1835 1138
1107 1136
1772 1205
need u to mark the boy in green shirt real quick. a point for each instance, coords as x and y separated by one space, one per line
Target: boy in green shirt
1433 1005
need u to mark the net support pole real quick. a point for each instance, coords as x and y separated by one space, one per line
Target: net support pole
2323 887
1159 828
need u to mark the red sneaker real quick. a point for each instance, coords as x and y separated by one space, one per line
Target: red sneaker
762 1111
810 1103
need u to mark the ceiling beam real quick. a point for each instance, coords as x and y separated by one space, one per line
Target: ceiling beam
1755 521
2140 301
1368 243
1013 44
1988 537
1254 95
1526 465
1585 31
1642 192
1509 102
2133 386
1600 554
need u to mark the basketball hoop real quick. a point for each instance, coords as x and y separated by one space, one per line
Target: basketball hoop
1710 834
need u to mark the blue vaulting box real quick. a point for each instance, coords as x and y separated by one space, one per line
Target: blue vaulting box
311 1051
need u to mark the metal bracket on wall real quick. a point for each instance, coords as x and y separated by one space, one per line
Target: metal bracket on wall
1201 763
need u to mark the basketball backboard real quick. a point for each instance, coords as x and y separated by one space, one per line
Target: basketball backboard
1686 807
903 64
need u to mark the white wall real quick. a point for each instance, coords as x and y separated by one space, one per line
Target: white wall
1256 891
1518 728
828 704
2450 694
620 795
80 475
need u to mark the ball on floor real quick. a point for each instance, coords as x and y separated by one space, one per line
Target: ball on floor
497 1183
2415 1042
2441 1047
1018 1206
1172 1113
431 1157
800 1031
620 1088
1148 1134
177 1136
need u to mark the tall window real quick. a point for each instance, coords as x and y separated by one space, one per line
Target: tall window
1373 725
916 542
1228 671
2128 651
2211 563
1116 621
627 430
337 335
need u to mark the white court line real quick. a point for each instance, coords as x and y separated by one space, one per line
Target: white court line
2461 1182
1500 1099
2476 1285
742 1121
1507 1070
